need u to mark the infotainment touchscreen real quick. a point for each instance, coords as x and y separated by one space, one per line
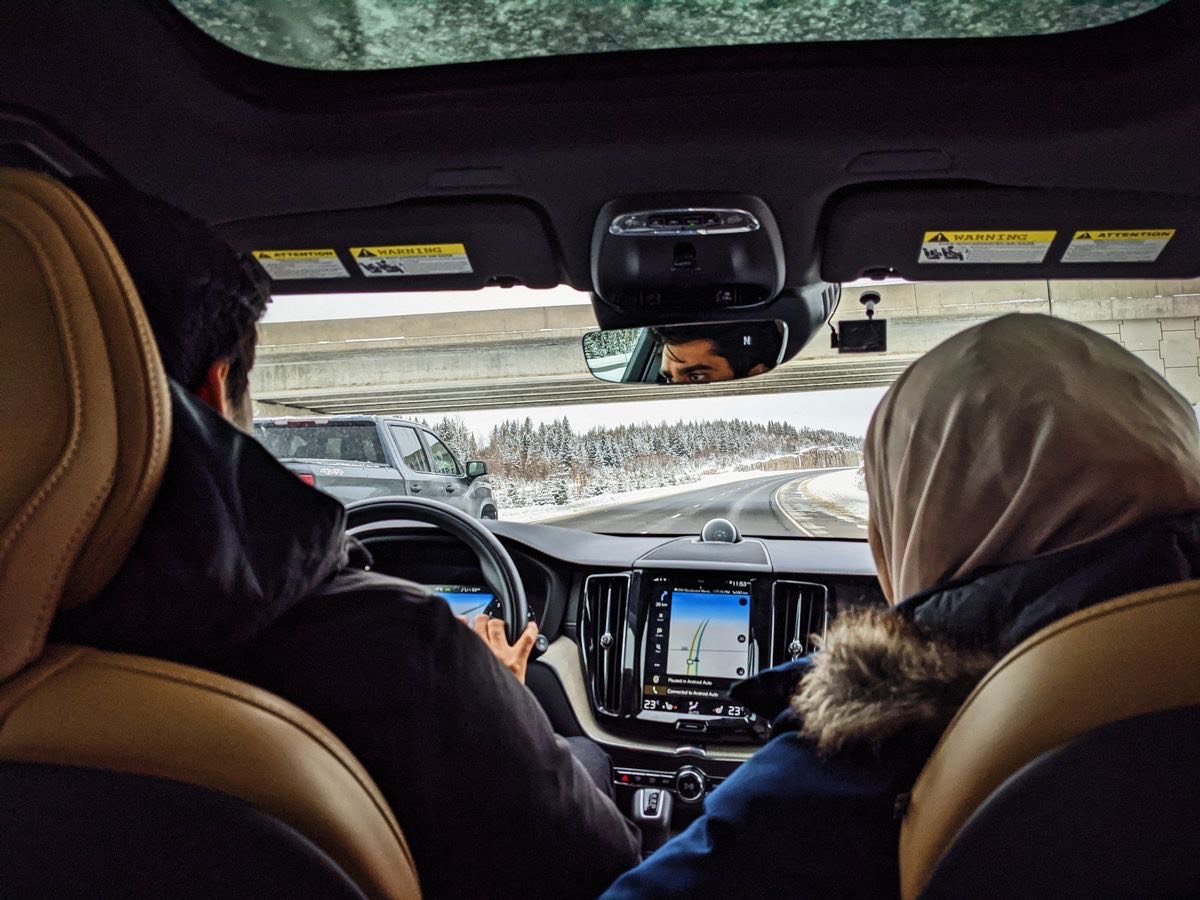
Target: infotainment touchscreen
698 644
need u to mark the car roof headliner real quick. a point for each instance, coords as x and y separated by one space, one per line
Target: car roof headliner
134 88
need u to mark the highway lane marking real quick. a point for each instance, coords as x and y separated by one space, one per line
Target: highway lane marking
779 507
677 515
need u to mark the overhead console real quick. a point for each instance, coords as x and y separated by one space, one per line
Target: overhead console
686 253
955 232
709 264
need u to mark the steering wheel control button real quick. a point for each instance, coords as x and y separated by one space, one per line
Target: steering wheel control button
690 784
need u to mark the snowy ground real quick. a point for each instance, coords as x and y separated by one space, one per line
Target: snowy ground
550 512
838 493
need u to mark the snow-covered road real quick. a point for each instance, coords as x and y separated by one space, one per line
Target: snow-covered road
759 503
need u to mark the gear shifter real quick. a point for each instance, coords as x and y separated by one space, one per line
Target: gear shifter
652 813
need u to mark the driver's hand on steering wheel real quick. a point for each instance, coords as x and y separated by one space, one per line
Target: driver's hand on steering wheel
514 657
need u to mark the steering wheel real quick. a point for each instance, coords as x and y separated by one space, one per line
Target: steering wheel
499 571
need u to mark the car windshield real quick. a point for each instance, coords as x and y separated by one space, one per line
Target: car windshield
499 376
388 34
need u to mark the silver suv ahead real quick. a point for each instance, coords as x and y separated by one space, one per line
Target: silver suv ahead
356 457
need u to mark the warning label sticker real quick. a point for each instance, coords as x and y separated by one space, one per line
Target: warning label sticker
284 264
967 247
412 259
1142 245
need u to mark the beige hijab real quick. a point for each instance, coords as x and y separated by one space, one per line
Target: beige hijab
1017 438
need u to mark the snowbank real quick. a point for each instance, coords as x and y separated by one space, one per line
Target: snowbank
838 492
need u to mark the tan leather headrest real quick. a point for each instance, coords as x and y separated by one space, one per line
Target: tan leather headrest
1116 660
119 713
85 415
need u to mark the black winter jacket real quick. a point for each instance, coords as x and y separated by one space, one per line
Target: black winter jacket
240 568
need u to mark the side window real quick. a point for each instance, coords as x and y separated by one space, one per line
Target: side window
444 462
410 448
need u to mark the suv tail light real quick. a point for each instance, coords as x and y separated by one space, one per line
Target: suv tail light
308 478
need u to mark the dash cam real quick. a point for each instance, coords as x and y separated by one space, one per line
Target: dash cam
863 335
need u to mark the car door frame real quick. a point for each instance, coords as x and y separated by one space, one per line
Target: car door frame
416 482
452 489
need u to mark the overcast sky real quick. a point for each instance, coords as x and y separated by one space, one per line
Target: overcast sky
323 307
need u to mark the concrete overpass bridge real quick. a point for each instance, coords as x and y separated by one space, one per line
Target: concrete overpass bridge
453 362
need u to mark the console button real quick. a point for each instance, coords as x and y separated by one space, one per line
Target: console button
692 726
690 784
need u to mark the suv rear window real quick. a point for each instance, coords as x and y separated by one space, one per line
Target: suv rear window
349 441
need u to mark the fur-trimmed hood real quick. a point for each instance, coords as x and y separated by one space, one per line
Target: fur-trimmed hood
877 675
881 672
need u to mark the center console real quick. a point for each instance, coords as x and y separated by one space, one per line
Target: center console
663 647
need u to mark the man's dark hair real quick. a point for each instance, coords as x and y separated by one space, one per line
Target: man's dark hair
202 297
744 344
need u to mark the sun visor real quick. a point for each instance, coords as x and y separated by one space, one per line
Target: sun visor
412 246
940 233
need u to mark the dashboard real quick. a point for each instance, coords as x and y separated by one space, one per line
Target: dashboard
648 634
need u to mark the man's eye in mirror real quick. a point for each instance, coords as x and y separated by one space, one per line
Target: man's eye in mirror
697 353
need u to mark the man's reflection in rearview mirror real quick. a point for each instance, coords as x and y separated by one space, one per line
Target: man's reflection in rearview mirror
699 354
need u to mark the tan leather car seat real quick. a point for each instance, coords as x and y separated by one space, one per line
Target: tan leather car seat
1128 657
84 423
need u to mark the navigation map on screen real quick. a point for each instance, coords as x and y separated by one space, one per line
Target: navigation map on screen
709 634
698 645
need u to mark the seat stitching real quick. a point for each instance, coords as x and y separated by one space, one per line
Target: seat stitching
68 343
146 340
153 385
1116 606
267 706
40 678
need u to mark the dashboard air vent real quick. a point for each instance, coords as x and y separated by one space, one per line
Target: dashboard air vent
799 611
603 637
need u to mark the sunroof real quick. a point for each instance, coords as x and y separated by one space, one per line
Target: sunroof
389 34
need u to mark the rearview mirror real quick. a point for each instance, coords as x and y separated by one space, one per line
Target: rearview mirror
697 353
476 468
